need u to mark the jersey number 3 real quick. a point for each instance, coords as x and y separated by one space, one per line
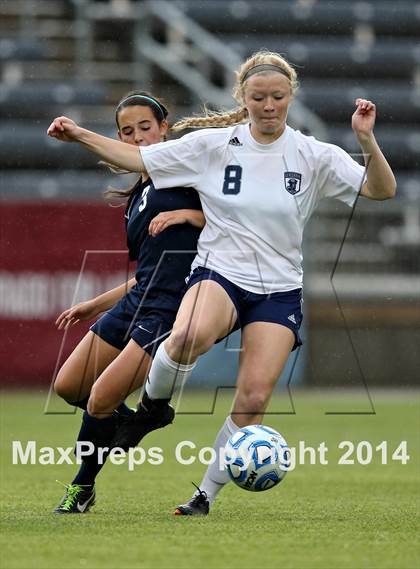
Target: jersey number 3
232 181
143 202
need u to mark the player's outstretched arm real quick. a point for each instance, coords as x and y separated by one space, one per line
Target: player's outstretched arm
380 184
90 308
121 154
167 218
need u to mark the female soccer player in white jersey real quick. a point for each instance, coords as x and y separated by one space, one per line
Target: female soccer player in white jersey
113 358
259 181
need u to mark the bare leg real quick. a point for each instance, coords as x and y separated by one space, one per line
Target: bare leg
84 365
265 348
125 374
206 314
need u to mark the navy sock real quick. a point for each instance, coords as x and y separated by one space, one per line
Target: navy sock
99 432
86 475
123 409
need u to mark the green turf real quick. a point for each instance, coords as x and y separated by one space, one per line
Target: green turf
320 517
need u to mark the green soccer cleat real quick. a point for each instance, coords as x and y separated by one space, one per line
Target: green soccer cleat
76 500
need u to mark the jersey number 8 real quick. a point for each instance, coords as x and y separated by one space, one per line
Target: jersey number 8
232 181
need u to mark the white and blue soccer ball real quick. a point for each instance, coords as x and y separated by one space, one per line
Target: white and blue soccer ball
257 458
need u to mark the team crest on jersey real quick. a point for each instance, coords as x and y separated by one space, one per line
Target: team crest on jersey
292 182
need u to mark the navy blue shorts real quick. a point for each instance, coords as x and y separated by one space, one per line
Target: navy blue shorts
148 328
283 308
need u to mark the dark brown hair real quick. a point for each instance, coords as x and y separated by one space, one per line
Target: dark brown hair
160 112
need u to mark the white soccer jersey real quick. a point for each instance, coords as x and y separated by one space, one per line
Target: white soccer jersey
256 197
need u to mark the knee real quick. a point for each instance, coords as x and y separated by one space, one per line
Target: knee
96 406
253 399
99 405
190 341
64 387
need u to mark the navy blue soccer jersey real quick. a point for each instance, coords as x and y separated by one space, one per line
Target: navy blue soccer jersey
164 261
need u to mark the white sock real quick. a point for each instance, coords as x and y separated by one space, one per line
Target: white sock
216 476
164 373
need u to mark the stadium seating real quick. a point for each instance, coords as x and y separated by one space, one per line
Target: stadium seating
41 94
303 18
18 49
28 144
332 57
334 104
38 99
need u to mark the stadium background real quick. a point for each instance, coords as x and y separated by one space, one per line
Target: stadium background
61 243
78 57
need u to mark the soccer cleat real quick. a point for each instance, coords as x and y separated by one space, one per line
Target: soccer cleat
76 500
149 417
197 506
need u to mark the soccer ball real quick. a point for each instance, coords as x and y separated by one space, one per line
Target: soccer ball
257 458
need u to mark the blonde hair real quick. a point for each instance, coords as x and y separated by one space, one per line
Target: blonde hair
240 113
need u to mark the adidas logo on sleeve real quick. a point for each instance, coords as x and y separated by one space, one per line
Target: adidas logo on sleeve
235 141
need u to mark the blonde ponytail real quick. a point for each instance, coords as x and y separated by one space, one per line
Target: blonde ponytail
212 120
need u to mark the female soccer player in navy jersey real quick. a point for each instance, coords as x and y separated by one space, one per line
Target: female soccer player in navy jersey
259 181
162 232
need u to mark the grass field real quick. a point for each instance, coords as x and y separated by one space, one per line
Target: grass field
321 516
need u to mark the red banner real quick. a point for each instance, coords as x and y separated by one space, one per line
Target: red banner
52 256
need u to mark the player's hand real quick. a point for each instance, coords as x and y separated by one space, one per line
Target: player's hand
165 220
82 311
363 119
63 129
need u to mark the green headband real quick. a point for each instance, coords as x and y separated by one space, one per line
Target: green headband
162 109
